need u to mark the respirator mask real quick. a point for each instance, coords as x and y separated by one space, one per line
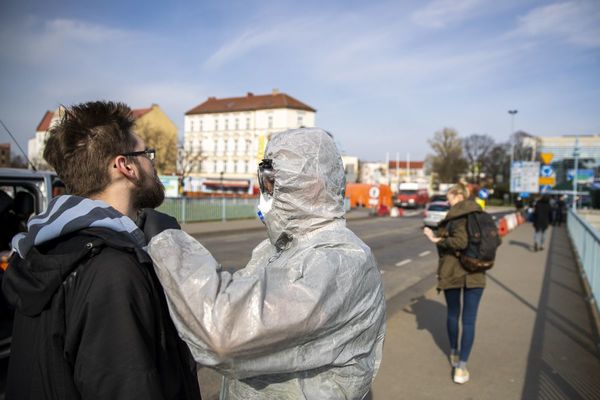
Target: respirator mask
266 182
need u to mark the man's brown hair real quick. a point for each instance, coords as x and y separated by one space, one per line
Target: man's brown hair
80 147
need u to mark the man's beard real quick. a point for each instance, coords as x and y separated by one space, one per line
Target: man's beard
150 193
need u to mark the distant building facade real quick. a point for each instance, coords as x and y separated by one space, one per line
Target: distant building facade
4 154
407 171
227 136
159 132
351 167
563 149
149 122
374 173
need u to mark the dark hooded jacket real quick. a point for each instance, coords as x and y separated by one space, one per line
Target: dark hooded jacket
91 322
453 231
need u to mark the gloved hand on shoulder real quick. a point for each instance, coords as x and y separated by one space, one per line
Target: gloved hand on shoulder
153 222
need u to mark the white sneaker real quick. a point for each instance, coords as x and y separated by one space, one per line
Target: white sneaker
461 376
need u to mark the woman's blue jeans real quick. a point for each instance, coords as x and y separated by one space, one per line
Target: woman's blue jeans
470 304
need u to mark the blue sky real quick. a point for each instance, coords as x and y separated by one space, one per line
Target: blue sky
383 75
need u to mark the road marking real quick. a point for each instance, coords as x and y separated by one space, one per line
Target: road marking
401 263
423 254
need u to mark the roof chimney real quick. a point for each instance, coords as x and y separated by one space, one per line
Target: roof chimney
211 98
275 91
249 94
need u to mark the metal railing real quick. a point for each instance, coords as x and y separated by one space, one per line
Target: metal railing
186 209
586 240
212 209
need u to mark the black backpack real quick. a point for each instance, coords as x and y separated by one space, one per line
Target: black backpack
483 241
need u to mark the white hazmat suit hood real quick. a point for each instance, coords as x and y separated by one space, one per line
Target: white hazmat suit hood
305 319
309 179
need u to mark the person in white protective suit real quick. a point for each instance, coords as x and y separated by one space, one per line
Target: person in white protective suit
305 319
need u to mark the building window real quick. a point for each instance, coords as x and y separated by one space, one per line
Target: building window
270 121
200 123
216 124
300 121
226 124
247 123
237 124
216 146
247 166
248 146
191 126
215 167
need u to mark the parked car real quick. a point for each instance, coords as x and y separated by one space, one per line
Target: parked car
434 213
438 197
23 193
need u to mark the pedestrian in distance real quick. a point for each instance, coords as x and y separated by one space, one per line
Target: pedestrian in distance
542 215
455 281
305 319
91 319
560 211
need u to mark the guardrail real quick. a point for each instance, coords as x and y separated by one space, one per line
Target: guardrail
586 241
186 209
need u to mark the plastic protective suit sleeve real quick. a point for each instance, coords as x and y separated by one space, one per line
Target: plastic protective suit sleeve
272 317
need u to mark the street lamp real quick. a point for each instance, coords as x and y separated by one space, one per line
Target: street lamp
512 130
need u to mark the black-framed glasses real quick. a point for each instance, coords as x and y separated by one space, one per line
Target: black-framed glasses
150 154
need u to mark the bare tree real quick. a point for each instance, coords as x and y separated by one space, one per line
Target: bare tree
476 148
448 162
496 164
188 161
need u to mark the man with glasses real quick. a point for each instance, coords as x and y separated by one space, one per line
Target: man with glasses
305 319
91 318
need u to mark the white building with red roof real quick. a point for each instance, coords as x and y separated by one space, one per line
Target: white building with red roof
227 136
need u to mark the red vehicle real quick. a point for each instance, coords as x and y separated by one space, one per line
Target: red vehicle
411 198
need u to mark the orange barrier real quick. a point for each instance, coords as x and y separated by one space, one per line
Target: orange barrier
502 227
520 218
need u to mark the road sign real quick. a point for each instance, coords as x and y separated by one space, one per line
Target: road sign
546 157
546 171
483 193
524 176
545 188
547 180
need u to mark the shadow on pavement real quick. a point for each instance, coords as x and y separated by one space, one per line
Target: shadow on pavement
521 244
431 316
563 361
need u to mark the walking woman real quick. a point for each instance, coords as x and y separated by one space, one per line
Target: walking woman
455 281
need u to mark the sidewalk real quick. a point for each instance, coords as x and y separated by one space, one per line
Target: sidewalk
535 338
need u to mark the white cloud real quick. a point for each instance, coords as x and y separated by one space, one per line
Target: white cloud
441 13
575 22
